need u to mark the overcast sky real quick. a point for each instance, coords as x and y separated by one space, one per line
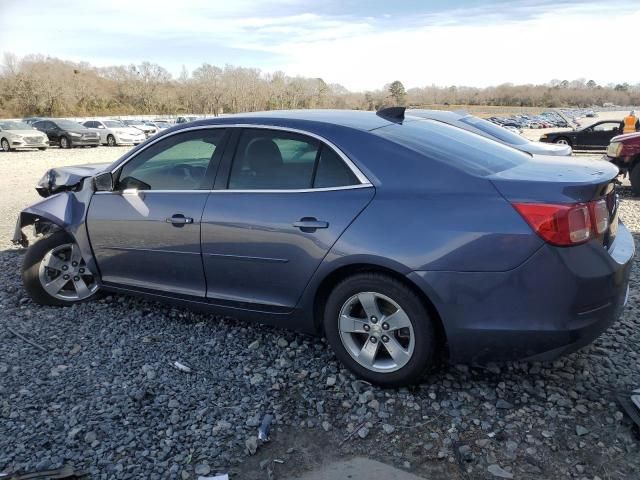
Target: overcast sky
359 44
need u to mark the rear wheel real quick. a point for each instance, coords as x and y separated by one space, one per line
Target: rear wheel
111 140
5 145
64 142
563 141
380 329
634 178
54 272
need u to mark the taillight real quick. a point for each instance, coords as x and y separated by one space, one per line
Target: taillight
600 216
565 225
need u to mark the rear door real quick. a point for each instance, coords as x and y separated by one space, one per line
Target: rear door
280 203
146 233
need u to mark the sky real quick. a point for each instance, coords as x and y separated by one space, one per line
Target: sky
361 45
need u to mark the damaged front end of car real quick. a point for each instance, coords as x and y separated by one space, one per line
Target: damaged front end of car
67 192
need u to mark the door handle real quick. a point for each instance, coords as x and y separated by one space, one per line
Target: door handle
310 224
179 220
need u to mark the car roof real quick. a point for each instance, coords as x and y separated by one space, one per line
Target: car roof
306 119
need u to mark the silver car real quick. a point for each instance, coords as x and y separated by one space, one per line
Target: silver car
14 135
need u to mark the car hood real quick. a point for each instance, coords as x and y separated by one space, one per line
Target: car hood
67 178
539 148
25 133
80 131
626 136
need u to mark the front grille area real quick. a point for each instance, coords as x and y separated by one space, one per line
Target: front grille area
33 139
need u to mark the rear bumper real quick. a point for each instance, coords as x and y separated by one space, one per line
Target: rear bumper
558 301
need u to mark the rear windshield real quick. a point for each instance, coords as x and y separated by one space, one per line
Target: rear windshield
472 153
494 130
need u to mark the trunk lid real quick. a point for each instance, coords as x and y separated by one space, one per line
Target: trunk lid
556 180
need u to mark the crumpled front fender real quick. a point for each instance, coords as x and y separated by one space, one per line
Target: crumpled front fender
56 210
65 211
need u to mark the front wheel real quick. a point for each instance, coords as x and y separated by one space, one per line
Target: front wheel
563 141
380 329
54 272
5 145
64 142
111 141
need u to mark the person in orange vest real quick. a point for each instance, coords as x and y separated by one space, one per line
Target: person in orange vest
630 124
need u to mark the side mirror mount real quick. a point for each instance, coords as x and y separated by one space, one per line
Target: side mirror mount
103 182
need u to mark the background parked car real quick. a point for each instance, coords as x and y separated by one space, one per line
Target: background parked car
160 125
32 120
114 132
67 134
15 135
487 129
148 130
624 152
593 137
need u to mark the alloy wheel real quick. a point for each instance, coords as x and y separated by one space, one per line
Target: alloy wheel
562 141
64 275
64 143
111 141
5 145
376 332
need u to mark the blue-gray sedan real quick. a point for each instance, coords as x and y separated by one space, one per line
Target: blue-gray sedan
400 239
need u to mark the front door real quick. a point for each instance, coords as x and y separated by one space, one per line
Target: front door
146 233
601 134
286 200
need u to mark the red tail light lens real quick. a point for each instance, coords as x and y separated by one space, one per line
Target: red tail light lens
560 224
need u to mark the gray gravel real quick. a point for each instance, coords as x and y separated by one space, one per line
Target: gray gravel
105 395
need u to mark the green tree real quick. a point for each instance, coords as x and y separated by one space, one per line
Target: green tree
397 91
591 84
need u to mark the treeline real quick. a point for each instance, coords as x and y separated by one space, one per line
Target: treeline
43 86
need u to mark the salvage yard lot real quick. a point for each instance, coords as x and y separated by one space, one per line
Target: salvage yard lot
102 395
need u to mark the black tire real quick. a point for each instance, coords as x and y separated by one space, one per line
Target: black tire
5 145
65 142
42 149
111 140
31 268
562 140
634 178
425 340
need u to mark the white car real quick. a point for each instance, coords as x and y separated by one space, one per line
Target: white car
140 125
114 132
160 125
15 135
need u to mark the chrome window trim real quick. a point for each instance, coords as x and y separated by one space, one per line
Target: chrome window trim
364 181
296 190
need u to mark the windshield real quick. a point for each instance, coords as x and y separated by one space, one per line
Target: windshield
15 126
454 146
113 124
163 124
68 124
496 131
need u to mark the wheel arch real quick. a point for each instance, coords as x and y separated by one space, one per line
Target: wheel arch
339 274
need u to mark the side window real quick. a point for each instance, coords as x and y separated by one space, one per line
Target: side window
277 160
273 160
179 162
606 127
332 171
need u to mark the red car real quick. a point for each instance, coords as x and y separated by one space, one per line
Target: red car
624 152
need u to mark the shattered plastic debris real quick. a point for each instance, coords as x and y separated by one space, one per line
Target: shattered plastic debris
217 477
182 367
265 426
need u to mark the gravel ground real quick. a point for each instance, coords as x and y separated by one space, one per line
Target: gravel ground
104 397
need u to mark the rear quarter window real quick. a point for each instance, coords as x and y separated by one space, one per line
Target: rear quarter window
459 148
